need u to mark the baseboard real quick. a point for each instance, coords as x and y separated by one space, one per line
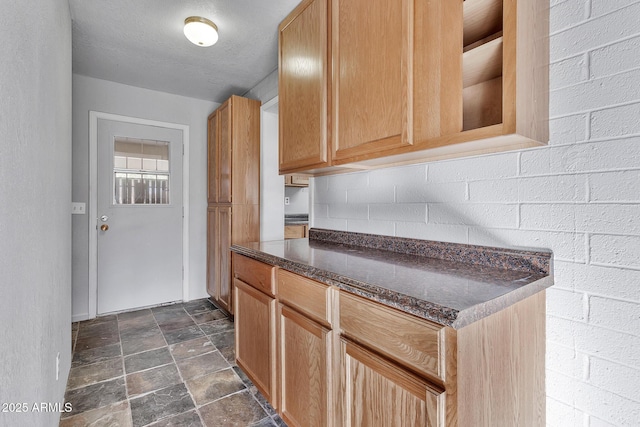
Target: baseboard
79 317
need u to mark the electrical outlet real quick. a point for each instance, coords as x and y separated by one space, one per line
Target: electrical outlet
78 208
286 201
58 366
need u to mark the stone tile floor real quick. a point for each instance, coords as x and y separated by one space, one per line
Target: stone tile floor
166 366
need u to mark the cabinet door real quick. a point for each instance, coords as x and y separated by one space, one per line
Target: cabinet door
380 393
224 255
224 153
212 253
255 337
300 180
245 149
305 351
303 86
371 92
212 158
294 231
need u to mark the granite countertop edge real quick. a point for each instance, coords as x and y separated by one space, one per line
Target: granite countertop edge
445 316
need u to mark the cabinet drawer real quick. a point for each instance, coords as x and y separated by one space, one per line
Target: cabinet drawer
295 231
415 343
257 274
306 295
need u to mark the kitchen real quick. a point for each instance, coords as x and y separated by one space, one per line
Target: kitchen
577 196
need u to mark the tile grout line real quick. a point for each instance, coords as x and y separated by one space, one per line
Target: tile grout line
124 372
182 380
231 367
195 405
269 414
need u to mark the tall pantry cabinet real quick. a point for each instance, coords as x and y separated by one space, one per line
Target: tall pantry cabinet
233 212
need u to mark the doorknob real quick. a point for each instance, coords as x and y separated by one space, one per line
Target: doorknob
104 227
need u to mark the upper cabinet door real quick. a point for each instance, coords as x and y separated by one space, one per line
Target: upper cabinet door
372 74
212 158
397 76
224 153
303 88
245 118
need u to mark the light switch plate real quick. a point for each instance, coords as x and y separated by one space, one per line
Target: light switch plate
78 208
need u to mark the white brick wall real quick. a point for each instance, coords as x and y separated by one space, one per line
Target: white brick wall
579 196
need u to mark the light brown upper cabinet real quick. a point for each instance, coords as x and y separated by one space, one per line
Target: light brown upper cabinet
292 180
303 88
233 190
416 81
390 60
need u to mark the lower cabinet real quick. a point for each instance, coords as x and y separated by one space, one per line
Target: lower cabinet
255 323
224 241
380 393
392 368
255 337
218 256
325 357
305 351
296 231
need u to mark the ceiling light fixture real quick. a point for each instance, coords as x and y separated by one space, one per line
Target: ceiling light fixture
200 31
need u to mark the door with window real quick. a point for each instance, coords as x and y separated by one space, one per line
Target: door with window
139 215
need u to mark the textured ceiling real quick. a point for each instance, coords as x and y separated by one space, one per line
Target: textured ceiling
140 43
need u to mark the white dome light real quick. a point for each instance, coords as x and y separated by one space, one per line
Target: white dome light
200 31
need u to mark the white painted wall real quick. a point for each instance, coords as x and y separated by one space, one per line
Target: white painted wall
104 96
266 89
580 197
298 200
271 183
35 206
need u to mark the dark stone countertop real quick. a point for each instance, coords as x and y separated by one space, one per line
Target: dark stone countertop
447 283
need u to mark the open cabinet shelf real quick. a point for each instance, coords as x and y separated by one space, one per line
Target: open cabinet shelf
482 63
481 19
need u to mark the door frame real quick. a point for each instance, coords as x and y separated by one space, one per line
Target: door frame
94 116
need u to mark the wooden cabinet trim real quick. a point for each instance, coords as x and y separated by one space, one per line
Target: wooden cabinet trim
255 273
415 343
224 164
294 180
415 384
295 231
303 136
304 322
368 398
233 158
306 295
301 356
213 136
393 116
225 266
501 369
267 386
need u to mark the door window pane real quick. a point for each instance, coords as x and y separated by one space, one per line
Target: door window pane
141 172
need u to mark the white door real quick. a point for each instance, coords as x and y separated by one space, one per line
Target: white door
139 215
